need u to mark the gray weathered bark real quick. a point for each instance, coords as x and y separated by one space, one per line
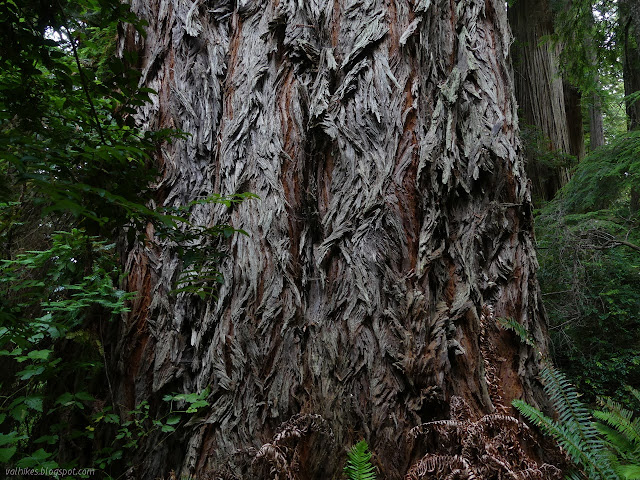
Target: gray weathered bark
540 93
382 140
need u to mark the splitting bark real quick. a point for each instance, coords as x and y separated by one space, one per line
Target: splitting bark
382 140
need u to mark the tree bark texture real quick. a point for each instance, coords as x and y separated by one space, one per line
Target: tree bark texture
596 126
540 93
382 139
573 108
630 21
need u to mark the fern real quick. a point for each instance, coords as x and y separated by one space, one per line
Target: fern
358 466
622 434
571 411
593 460
517 328
574 430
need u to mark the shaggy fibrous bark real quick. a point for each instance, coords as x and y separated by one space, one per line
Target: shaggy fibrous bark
381 137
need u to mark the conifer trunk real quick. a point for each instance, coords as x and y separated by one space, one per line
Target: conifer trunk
596 126
573 107
382 140
540 94
630 21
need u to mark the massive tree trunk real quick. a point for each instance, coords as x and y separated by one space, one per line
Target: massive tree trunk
541 98
393 228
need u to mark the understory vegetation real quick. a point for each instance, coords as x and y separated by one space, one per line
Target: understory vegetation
76 172
590 270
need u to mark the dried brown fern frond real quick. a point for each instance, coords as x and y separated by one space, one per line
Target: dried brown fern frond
494 465
501 421
435 465
540 473
487 448
442 427
301 425
490 358
550 472
276 458
281 454
487 313
459 409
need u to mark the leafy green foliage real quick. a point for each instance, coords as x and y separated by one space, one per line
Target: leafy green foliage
192 244
139 424
358 466
48 299
603 181
66 129
75 169
590 270
52 301
591 44
608 448
194 401
538 146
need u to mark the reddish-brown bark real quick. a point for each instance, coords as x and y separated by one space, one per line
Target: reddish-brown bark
393 210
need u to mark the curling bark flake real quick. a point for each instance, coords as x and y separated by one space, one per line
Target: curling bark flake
382 139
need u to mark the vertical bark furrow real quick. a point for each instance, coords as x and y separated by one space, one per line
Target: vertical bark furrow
393 207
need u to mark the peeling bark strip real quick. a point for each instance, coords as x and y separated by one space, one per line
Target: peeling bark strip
382 140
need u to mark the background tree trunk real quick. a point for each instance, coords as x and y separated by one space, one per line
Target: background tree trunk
541 97
596 126
573 107
630 22
382 140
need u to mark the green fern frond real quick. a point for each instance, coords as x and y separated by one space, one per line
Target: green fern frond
622 434
572 413
622 431
574 475
630 472
575 430
517 328
634 392
616 408
358 466
594 461
616 440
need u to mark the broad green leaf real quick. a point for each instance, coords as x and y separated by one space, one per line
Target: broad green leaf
50 439
34 403
11 437
6 454
30 371
84 396
65 399
172 420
